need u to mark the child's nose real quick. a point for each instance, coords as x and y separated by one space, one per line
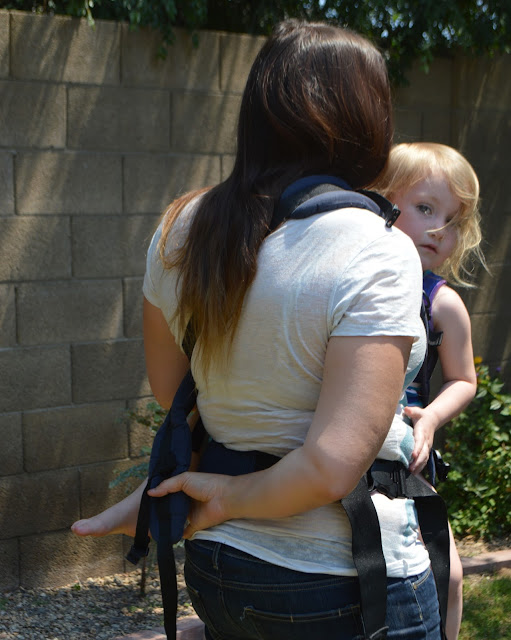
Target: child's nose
437 233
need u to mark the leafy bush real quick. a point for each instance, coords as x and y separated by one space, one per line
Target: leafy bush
151 417
478 489
405 31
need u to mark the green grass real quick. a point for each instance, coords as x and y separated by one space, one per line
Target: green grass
487 607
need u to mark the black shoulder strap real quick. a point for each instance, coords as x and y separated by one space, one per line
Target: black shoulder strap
313 198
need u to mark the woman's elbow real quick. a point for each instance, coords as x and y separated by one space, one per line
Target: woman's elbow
334 478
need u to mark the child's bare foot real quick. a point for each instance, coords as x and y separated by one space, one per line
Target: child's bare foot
98 526
119 518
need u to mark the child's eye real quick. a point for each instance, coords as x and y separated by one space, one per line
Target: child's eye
425 209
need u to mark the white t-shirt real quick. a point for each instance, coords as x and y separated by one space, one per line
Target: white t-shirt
341 273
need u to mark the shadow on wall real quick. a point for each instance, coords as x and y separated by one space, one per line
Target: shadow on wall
92 158
483 131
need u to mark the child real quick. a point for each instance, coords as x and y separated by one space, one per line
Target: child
437 192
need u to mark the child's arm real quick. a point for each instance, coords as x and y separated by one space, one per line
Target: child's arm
459 377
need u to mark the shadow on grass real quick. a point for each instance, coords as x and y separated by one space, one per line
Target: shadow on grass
487 607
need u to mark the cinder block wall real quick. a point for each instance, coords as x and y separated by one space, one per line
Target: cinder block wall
97 136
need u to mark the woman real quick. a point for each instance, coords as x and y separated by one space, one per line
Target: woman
304 337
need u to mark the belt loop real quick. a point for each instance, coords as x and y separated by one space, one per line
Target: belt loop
214 557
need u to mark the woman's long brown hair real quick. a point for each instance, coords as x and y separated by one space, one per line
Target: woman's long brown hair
317 101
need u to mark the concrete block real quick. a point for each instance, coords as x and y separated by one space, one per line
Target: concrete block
110 246
204 123
7 316
238 52
116 119
227 166
6 184
480 133
436 125
72 436
34 248
433 87
9 560
109 371
4 43
408 125
39 502
11 452
141 435
132 301
34 378
184 67
69 311
61 558
488 296
152 182
32 115
63 49
480 82
96 493
55 182
487 562
188 628
491 337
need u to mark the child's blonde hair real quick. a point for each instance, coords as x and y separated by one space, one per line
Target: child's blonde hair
411 162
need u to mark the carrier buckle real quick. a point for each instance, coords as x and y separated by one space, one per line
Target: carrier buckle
388 477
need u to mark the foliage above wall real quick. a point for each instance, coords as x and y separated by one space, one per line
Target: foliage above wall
406 30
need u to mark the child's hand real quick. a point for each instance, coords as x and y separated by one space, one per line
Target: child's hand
424 427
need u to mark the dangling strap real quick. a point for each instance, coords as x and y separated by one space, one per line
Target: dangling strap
369 560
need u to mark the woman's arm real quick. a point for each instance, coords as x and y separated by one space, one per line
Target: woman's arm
362 384
458 374
166 364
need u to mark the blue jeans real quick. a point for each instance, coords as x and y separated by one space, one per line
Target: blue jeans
239 597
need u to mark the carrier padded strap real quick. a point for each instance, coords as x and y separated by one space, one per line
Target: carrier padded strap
168 579
140 546
433 522
368 558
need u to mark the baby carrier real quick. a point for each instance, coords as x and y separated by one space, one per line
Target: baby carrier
418 392
174 442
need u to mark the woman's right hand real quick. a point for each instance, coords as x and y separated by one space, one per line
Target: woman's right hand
208 492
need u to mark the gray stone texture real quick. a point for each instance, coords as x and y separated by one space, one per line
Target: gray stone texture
6 184
61 558
11 449
151 182
34 378
212 122
7 316
41 502
237 53
9 561
184 67
64 182
72 436
95 490
63 49
111 246
118 119
141 435
4 43
34 248
108 371
32 115
69 311
132 301
480 82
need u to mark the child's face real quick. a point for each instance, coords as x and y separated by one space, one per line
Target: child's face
425 210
